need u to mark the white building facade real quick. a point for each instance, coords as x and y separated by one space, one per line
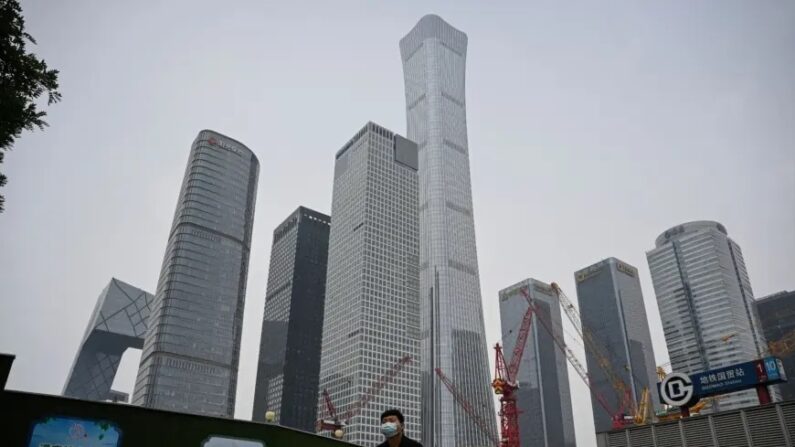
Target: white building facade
453 334
371 318
706 303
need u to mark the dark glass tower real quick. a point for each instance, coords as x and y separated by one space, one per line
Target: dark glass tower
292 326
612 310
192 346
777 318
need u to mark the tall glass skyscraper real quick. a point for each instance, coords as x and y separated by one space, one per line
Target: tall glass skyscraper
292 323
612 310
543 397
371 319
453 334
706 303
192 346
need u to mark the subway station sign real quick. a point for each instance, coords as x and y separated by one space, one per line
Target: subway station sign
680 389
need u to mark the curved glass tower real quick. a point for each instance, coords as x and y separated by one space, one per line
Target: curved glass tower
192 347
453 335
706 303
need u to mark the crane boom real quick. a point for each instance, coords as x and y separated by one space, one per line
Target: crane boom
466 406
377 387
521 340
338 423
618 384
573 361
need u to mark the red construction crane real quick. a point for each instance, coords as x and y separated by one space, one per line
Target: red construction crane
337 424
505 384
466 406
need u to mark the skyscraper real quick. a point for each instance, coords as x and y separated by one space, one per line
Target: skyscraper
117 323
543 396
453 334
777 318
612 310
706 302
292 325
192 347
371 317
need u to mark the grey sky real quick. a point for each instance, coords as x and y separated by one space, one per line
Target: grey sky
593 127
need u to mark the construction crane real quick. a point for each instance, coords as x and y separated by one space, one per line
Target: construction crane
505 384
468 408
571 357
336 424
783 346
622 391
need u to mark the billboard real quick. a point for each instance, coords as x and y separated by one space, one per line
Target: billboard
680 389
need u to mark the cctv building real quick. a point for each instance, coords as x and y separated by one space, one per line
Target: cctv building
292 324
706 303
613 313
192 347
118 323
543 396
371 319
453 335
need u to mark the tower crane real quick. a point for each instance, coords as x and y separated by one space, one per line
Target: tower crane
336 424
622 391
570 356
505 384
467 407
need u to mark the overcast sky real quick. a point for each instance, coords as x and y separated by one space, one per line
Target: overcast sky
593 127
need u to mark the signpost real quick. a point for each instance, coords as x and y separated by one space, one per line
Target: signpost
682 390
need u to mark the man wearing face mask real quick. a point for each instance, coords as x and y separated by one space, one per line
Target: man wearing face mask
392 428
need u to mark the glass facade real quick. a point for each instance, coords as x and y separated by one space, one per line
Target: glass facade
118 322
453 334
543 397
371 317
706 303
612 310
292 325
192 347
777 317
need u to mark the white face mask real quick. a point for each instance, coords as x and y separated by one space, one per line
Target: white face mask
389 429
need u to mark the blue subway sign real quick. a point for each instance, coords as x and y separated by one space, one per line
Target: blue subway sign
682 390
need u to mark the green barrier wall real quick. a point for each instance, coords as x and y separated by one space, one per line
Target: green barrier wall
98 424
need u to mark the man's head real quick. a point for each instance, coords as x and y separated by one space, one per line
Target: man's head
391 422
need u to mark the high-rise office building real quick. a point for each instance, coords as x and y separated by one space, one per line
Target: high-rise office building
371 317
777 317
453 334
543 395
117 324
292 325
612 311
706 303
190 356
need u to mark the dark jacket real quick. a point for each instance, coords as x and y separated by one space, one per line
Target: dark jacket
405 442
